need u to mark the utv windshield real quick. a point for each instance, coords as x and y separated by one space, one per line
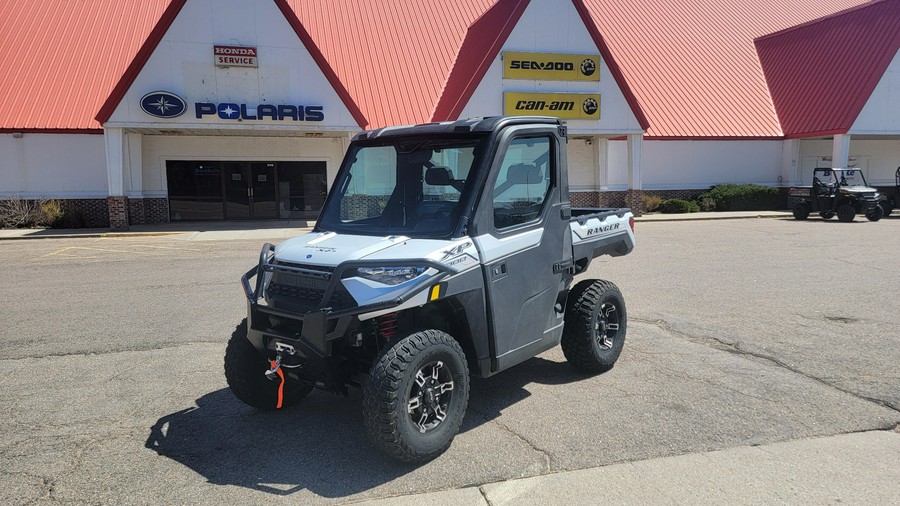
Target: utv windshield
407 187
850 178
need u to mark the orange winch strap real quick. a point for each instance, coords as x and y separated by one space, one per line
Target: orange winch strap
280 374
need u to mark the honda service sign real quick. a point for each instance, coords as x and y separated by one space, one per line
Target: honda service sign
235 56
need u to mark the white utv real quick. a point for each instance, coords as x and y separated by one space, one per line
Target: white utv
444 250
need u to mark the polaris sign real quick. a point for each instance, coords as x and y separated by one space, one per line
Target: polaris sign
280 112
163 104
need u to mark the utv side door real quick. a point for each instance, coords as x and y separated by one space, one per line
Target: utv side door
521 234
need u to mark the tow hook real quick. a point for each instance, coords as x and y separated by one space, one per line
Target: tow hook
274 373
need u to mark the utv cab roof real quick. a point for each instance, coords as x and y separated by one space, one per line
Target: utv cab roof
487 124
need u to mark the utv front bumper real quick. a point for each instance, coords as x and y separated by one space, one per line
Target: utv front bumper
313 328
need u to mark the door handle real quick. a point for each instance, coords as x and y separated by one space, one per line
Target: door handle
498 271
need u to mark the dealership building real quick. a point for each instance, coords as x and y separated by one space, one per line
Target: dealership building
177 110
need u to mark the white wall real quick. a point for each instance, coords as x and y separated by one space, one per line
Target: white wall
583 156
157 149
554 26
878 159
881 114
698 164
183 64
53 165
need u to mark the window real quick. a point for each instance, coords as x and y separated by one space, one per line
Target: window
410 186
523 182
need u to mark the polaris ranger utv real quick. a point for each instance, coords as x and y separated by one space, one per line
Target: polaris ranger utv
444 250
841 192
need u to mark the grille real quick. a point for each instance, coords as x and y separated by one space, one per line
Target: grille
300 291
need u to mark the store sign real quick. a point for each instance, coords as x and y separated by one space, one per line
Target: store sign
162 104
551 66
279 112
235 56
559 105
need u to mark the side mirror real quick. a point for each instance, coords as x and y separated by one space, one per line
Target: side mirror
438 176
523 173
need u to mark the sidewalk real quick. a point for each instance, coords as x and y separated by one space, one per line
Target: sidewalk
857 468
281 229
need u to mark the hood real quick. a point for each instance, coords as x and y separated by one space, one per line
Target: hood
857 189
330 249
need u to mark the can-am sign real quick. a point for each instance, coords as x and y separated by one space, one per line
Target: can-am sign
235 56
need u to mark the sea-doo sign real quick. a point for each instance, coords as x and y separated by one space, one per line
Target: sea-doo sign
235 56
162 104
551 66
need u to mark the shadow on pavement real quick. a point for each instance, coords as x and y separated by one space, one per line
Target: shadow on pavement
319 444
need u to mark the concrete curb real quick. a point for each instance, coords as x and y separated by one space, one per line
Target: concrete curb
226 234
95 235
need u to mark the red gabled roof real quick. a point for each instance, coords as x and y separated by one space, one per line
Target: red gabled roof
163 26
484 39
60 60
821 74
692 64
393 56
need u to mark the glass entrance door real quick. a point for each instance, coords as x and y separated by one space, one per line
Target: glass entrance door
262 190
245 190
237 191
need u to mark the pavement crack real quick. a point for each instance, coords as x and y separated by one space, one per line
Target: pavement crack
484 496
736 349
548 460
180 344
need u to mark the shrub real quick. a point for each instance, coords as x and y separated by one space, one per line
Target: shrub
651 202
51 212
677 206
743 197
20 213
706 204
70 218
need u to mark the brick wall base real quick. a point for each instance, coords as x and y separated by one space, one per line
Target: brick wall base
118 212
144 211
93 213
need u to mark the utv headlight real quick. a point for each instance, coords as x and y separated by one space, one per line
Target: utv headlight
390 275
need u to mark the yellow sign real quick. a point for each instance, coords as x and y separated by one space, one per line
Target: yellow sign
559 105
551 66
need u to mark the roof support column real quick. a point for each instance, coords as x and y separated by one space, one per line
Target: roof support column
790 166
117 202
634 197
840 150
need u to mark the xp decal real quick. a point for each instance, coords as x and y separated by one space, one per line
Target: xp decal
162 104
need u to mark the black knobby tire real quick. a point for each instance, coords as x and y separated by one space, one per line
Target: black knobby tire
801 211
245 373
596 321
395 403
875 214
887 209
846 213
826 215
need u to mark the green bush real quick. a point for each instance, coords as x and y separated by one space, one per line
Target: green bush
16 212
70 218
678 206
651 202
742 197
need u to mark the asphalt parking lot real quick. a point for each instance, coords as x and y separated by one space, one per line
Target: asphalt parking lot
741 333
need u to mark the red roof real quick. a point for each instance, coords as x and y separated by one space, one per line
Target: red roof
60 60
393 56
821 74
692 63
162 26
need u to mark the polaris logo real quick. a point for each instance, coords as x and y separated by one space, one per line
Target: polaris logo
233 111
162 104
